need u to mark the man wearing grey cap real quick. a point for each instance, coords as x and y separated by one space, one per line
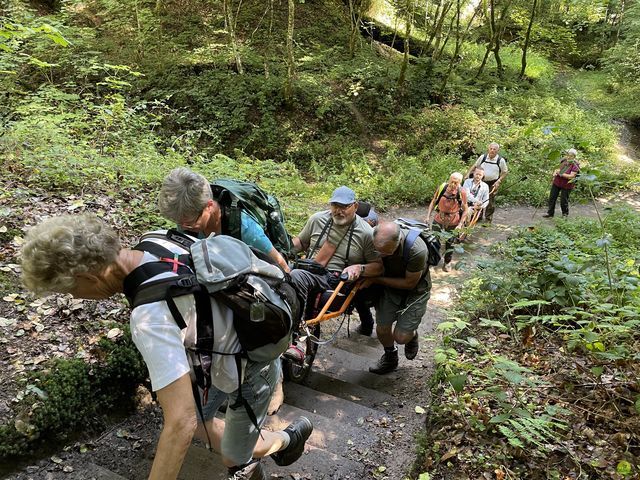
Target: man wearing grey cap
338 241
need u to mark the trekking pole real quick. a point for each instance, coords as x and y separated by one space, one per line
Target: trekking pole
494 190
474 220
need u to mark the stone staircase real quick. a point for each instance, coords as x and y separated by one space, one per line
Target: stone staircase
364 425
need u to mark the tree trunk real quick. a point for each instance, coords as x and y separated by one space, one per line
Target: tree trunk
435 21
499 29
491 23
438 53
405 59
527 38
288 89
231 30
460 39
438 31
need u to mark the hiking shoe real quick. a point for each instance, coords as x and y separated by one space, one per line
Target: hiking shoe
546 215
387 363
252 471
295 354
364 330
446 267
299 431
411 348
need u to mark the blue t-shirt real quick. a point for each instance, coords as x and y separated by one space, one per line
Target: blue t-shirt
252 234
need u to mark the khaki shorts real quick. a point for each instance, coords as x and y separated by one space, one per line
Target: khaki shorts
404 308
240 435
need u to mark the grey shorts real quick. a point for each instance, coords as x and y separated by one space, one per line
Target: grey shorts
406 310
240 435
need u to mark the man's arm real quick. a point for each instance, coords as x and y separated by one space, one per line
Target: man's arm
465 209
178 410
408 282
431 206
297 245
279 259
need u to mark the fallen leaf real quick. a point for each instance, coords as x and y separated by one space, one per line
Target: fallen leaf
419 410
114 333
67 469
382 468
451 453
7 322
55 459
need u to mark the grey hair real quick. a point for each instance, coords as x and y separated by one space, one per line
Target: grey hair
456 175
183 195
572 151
495 144
58 249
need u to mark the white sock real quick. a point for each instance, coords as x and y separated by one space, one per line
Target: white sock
285 439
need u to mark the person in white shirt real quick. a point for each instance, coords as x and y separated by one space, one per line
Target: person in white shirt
477 191
495 169
83 256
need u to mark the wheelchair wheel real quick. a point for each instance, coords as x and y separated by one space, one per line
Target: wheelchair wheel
295 371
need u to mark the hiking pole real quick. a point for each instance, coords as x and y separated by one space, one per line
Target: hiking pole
494 190
468 228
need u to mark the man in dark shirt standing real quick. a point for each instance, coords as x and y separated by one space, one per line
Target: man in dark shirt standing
407 286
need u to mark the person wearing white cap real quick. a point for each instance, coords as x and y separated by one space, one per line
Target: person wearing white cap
338 241
563 183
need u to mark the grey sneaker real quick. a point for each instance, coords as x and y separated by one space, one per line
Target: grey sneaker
299 431
411 348
251 471
387 363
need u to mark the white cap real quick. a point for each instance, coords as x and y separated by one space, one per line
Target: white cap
572 151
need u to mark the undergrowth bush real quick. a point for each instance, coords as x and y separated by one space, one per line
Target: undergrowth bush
73 395
557 309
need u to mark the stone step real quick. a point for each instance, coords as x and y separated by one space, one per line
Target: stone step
327 405
357 346
353 368
358 394
335 437
315 463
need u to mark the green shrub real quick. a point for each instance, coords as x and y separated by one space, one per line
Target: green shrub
73 395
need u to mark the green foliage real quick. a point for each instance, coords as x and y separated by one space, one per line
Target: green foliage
73 395
549 310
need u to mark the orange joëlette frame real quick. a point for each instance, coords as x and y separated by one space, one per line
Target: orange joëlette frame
323 316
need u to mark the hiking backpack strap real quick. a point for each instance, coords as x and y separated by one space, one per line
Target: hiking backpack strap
443 191
410 239
497 162
326 227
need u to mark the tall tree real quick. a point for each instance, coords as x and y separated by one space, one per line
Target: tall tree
460 39
496 30
527 39
230 24
291 68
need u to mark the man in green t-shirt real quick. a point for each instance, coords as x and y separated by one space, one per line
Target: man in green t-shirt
407 287
341 242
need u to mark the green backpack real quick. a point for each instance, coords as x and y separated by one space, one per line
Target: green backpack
235 196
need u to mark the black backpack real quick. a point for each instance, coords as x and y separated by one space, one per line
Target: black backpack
235 196
263 302
422 230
